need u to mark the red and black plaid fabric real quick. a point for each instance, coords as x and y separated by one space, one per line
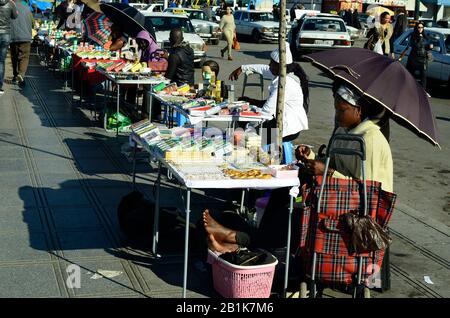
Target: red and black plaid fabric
325 233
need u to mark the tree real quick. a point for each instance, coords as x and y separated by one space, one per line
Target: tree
282 75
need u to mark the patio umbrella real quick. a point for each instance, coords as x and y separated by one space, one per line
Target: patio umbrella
131 20
378 10
384 81
98 27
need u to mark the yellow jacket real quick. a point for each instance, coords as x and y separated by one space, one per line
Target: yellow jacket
379 165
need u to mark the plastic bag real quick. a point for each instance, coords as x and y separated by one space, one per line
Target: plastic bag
245 257
113 119
236 44
378 48
366 234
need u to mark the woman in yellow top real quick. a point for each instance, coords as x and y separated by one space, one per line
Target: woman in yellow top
228 28
355 115
384 32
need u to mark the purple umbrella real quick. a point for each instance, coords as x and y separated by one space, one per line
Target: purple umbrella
384 81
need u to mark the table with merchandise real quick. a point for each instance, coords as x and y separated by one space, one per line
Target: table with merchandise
202 163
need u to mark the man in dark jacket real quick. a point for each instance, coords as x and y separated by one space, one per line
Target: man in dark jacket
21 37
401 24
8 12
180 68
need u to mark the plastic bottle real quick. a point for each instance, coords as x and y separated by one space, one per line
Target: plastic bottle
218 92
231 93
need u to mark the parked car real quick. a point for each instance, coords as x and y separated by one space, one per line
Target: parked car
354 33
319 32
154 7
439 68
164 22
138 5
259 25
208 30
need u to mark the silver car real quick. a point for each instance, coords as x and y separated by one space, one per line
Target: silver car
208 30
439 68
259 25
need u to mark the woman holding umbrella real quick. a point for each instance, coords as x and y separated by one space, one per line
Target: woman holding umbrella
417 59
355 115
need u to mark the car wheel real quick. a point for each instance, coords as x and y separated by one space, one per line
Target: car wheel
256 36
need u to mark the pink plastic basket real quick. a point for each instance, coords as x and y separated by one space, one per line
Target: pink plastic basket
233 281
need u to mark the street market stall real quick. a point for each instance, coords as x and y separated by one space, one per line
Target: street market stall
199 162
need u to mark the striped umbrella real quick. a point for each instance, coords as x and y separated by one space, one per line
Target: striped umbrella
97 27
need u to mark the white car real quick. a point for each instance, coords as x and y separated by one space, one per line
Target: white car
164 22
154 7
319 32
138 5
259 25
207 30
439 68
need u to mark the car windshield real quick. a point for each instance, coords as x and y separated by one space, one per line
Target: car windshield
169 23
261 16
199 15
324 25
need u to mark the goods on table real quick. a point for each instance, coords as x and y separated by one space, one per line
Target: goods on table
249 174
146 131
284 171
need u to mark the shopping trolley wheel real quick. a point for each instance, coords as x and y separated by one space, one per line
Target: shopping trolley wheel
359 291
303 290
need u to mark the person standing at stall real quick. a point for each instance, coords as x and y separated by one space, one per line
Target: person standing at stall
8 12
228 28
296 94
20 46
180 61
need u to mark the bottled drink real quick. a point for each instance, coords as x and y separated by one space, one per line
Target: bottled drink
218 92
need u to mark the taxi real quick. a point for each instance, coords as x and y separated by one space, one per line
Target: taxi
207 30
315 32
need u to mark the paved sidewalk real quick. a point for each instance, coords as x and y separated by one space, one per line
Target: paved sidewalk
62 179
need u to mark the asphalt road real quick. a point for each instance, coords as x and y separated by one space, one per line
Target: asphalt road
422 172
421 177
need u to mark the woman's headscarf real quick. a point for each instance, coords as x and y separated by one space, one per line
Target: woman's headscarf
152 46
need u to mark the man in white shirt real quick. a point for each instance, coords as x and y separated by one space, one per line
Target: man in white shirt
296 94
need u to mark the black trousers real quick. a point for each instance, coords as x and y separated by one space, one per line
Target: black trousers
421 69
272 231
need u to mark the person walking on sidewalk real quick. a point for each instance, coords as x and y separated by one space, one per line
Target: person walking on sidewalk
20 46
418 56
228 28
8 12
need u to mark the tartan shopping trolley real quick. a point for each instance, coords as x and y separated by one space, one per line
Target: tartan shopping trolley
325 241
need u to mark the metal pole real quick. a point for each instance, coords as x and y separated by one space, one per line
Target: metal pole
118 109
286 270
417 10
156 219
134 164
186 241
242 201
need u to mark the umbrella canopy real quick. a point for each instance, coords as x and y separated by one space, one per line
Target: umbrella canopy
93 4
98 27
384 81
378 10
128 17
